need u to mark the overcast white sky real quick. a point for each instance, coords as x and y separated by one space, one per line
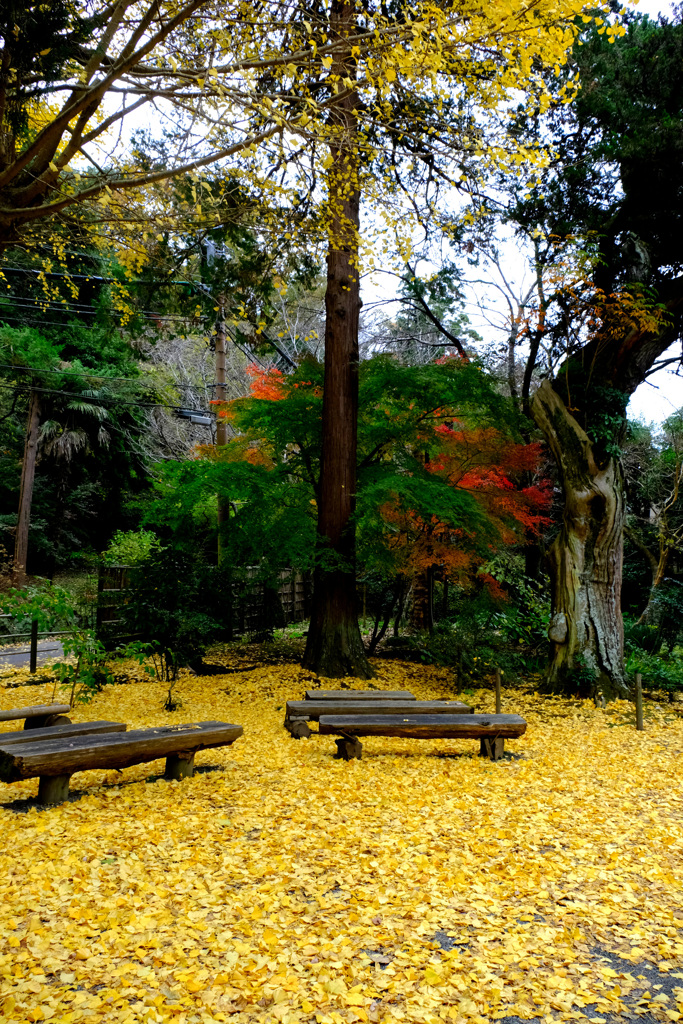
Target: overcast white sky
653 402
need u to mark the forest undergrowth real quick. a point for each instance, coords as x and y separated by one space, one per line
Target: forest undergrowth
422 883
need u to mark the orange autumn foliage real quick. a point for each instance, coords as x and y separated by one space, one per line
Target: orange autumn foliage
491 468
267 384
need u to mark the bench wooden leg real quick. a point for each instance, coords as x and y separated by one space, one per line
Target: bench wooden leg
53 789
179 766
56 721
492 747
37 722
348 747
298 729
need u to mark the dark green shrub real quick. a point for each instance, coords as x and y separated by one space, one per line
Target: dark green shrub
177 604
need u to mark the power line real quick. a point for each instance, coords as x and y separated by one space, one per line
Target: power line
164 282
95 376
83 308
103 398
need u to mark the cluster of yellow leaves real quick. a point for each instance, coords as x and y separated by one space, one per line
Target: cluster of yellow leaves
279 885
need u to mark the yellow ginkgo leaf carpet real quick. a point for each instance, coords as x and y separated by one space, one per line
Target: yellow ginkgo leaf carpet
422 883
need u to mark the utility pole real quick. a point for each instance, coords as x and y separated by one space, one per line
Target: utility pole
28 473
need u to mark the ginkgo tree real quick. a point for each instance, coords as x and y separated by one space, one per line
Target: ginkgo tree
413 104
396 107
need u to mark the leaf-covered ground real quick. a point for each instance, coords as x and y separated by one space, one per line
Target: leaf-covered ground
420 884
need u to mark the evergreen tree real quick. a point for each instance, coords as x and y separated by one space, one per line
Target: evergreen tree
604 228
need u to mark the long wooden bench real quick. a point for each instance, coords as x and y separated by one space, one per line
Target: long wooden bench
491 730
54 761
38 716
299 713
60 731
338 695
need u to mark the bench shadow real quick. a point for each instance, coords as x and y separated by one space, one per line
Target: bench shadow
508 755
200 769
444 755
22 805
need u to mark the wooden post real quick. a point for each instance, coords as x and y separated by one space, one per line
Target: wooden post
298 729
639 703
180 766
348 748
28 473
33 656
492 747
498 691
53 789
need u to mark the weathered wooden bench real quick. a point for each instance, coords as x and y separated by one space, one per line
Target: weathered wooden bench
38 716
491 730
337 695
54 761
299 713
60 730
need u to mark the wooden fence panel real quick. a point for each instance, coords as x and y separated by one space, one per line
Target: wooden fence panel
260 609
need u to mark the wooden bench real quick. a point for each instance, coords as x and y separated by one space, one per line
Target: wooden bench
337 695
299 712
491 730
59 730
38 716
54 761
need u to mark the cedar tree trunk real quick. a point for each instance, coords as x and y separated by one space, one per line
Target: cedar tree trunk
334 647
422 613
585 560
28 473
221 423
223 505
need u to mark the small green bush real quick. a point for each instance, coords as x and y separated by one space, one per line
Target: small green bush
178 605
660 671
87 672
131 547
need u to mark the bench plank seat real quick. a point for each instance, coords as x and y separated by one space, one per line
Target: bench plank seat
359 695
492 730
54 761
81 753
37 715
61 731
299 712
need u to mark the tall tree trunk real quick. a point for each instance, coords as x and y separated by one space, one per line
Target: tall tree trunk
223 504
28 474
221 422
585 560
422 613
334 647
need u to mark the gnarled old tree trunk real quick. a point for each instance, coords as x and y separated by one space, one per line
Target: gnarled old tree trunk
586 631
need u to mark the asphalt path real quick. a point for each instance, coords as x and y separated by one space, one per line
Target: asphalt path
19 656
648 980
